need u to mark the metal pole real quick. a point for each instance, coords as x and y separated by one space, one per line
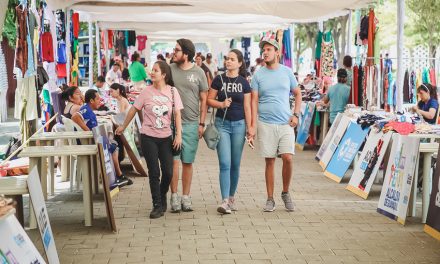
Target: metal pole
292 47
98 49
400 41
107 62
350 33
90 54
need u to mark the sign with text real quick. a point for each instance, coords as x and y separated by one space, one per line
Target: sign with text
346 151
369 162
334 141
399 177
36 196
432 226
303 130
15 245
100 136
329 136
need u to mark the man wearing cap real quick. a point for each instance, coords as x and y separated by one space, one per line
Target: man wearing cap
271 87
211 64
190 81
338 95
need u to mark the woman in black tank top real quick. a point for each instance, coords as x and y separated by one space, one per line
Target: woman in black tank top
74 100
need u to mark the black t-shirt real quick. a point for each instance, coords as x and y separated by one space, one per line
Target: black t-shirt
235 88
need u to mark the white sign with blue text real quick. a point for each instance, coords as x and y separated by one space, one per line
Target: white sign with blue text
304 128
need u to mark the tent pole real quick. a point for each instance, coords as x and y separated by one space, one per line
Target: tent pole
98 49
350 33
148 53
68 45
90 54
292 47
400 46
107 61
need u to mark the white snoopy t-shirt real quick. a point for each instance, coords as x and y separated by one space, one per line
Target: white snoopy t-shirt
157 108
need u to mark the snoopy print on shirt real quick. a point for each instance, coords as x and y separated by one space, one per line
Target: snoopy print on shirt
160 111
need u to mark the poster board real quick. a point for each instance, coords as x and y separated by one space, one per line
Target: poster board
127 139
369 162
40 210
328 137
15 244
334 141
100 136
399 177
306 121
107 195
346 151
432 226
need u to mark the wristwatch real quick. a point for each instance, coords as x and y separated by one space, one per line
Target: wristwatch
202 124
296 115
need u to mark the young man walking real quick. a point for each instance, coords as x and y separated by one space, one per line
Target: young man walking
190 81
271 86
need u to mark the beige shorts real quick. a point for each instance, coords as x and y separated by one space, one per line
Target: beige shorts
275 139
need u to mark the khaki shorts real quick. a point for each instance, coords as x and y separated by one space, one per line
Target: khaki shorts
275 139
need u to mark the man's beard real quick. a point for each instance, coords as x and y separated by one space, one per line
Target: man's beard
272 62
179 61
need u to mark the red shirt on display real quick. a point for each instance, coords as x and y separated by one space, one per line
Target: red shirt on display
141 42
47 47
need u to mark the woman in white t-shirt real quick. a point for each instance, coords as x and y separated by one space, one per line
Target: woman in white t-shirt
117 91
156 102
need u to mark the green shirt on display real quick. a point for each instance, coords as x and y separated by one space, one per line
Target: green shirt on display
137 72
189 83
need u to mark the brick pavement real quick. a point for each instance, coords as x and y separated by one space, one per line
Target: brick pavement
330 225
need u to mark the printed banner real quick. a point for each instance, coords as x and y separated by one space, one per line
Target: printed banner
36 196
369 162
100 136
346 151
328 137
15 245
432 226
303 130
399 177
334 141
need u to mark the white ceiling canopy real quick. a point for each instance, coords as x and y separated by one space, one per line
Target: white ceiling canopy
223 18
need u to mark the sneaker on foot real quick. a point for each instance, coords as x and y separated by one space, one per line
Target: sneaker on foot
175 203
224 207
290 206
232 204
270 205
186 203
156 212
121 181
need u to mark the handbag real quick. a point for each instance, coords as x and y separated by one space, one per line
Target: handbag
211 135
176 152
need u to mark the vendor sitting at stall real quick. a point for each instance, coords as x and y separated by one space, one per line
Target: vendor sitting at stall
337 95
86 119
72 95
428 104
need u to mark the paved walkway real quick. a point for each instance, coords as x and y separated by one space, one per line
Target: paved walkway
330 225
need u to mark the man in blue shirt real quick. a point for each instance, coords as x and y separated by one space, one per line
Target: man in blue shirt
338 95
271 87
86 119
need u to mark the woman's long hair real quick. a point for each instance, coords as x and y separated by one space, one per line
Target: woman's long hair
242 70
166 69
120 87
68 92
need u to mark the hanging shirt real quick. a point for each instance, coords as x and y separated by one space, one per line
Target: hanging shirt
141 42
62 56
432 103
131 38
47 47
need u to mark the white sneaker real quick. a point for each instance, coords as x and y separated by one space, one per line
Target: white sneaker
232 204
186 203
175 203
224 207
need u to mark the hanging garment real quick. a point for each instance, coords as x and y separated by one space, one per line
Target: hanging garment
42 77
126 37
120 44
3 86
318 46
75 24
142 40
361 86
47 47
363 33
385 91
26 98
61 70
61 53
355 89
371 31
419 78
390 89
376 48
21 50
406 88
327 56
131 38
425 76
287 48
432 77
413 88
60 24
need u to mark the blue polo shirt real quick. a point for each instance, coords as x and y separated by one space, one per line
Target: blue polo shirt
89 117
432 103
